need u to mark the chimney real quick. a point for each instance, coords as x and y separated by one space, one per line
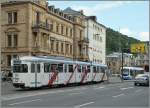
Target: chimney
81 11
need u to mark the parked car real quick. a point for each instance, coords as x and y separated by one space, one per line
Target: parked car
142 79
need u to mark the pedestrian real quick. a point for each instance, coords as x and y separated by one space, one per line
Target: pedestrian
9 74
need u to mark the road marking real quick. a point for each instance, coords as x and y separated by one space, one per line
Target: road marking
75 93
78 106
118 95
126 88
24 102
16 96
138 90
99 88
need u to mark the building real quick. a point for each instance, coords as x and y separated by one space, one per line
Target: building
142 59
114 61
94 41
34 28
96 33
81 42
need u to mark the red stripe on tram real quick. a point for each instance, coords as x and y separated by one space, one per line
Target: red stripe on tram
94 77
71 74
84 75
53 78
103 77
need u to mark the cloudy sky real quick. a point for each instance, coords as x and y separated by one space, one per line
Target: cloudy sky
128 17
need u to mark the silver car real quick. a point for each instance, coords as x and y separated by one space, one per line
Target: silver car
142 79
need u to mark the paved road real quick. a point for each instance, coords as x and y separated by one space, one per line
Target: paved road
99 95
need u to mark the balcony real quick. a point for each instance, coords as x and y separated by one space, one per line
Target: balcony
43 25
84 40
84 57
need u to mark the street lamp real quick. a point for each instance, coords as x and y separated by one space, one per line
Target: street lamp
126 50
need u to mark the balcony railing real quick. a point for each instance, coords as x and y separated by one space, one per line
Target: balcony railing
43 25
85 39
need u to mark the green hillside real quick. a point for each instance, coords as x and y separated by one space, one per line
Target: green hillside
115 41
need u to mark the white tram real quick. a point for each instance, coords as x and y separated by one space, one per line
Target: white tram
31 71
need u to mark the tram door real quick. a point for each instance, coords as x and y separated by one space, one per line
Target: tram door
35 74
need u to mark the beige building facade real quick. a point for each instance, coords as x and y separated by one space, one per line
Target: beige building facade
34 28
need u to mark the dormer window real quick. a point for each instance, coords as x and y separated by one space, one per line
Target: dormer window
55 10
65 15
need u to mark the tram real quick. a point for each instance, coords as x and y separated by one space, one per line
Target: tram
33 72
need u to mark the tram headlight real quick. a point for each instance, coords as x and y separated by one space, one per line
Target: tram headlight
16 79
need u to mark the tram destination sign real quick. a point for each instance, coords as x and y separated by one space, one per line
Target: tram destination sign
16 61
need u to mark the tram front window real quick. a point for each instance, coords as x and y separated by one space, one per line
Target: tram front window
125 72
22 68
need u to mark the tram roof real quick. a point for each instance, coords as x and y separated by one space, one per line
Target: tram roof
48 59
137 68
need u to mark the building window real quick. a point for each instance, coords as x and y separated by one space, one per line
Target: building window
100 39
57 28
62 47
57 46
52 45
12 40
80 50
71 32
9 41
12 17
62 29
8 60
80 34
15 40
70 49
46 23
37 17
66 31
67 48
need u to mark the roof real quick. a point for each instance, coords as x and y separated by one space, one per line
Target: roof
89 18
72 12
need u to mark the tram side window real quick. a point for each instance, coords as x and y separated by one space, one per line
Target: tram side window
83 68
79 69
98 70
24 68
70 68
33 68
132 72
53 67
47 67
94 69
60 67
141 71
103 70
65 68
38 68
88 69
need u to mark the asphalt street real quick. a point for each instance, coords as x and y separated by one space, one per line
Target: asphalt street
97 95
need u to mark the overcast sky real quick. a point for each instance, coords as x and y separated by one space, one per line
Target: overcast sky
128 17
